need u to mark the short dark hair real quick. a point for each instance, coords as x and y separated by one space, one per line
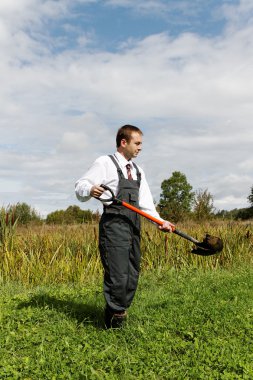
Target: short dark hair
125 132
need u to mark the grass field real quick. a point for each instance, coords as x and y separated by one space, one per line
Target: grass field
182 325
192 317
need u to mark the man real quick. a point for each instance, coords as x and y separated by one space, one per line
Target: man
119 228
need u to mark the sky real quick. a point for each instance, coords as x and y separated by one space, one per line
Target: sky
73 71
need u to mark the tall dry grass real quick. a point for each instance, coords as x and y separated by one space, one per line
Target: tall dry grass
161 249
55 254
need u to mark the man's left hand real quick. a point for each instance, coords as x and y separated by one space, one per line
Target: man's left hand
167 226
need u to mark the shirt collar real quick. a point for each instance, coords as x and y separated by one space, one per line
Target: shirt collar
122 160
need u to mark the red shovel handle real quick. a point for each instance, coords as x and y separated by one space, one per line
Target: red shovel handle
146 215
143 213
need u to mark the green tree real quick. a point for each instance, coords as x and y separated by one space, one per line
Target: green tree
203 204
176 197
244 213
24 213
73 214
250 197
56 217
227 214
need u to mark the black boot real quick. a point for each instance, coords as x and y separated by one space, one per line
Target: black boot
114 320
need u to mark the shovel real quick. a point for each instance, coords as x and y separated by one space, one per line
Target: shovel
209 246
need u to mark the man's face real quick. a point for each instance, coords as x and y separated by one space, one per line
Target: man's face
132 148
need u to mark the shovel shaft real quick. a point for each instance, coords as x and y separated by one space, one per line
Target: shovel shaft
158 221
142 213
185 236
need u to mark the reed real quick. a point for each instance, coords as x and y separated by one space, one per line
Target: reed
171 250
58 254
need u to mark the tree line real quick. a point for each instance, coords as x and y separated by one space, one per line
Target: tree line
177 202
25 214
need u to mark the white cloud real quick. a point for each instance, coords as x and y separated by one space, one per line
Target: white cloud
191 95
247 165
73 142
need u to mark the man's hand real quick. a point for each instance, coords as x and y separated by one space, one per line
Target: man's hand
96 191
167 227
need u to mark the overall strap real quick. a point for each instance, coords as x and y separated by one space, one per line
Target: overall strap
120 174
138 173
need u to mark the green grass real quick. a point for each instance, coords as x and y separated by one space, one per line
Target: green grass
183 324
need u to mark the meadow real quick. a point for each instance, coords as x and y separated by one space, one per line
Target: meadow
58 254
192 317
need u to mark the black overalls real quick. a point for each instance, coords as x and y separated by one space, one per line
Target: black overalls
119 244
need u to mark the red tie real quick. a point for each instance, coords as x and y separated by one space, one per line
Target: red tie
129 175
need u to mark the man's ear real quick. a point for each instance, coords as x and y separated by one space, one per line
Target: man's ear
123 143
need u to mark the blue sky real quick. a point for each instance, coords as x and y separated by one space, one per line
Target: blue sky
73 71
113 25
110 24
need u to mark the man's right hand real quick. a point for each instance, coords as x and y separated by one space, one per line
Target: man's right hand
96 191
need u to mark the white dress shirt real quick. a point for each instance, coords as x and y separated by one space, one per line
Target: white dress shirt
103 171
